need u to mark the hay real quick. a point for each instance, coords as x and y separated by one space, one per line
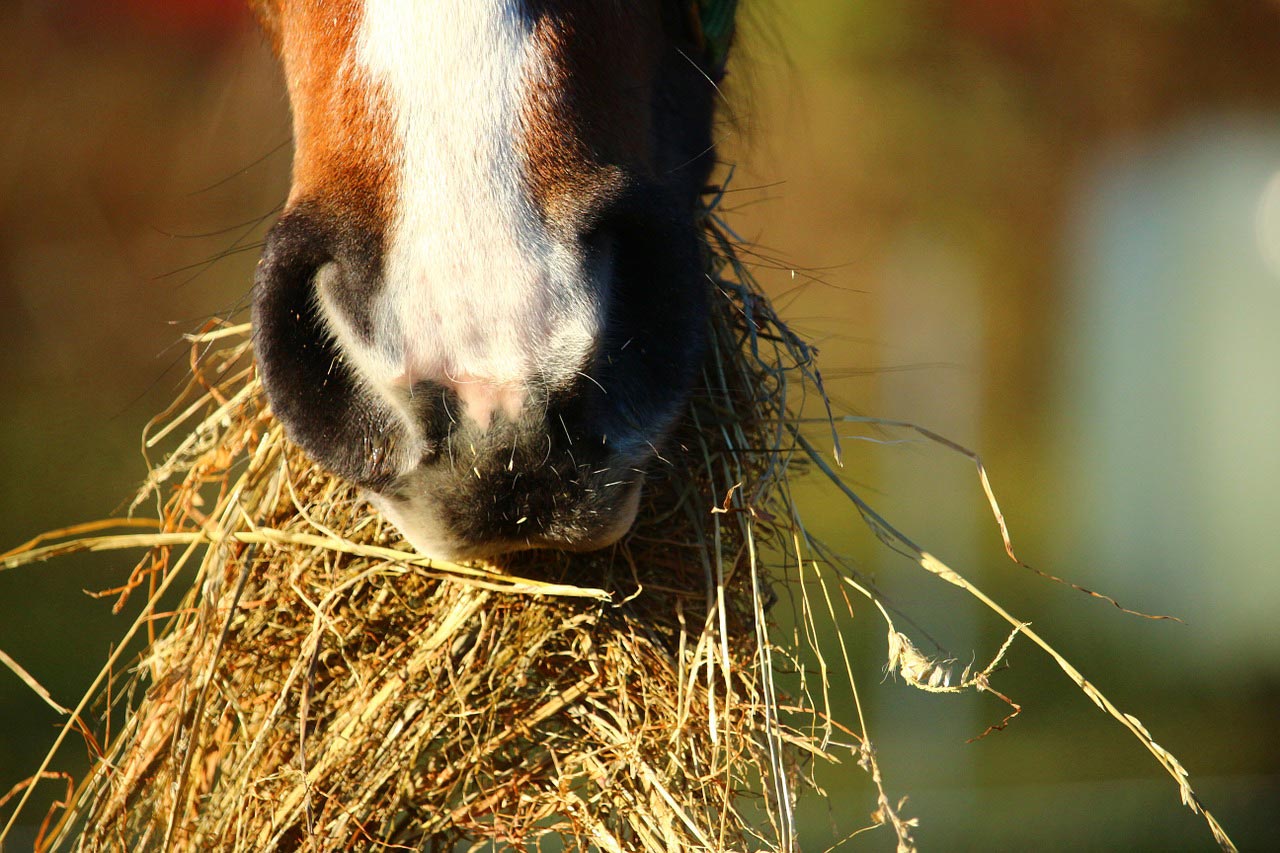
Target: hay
317 686
320 687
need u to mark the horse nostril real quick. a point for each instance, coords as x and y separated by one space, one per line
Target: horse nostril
324 408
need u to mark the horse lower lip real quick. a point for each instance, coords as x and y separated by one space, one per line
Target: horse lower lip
618 526
466 528
625 517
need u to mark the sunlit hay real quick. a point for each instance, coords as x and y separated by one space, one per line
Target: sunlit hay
320 687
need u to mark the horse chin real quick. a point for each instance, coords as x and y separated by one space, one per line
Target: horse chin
419 519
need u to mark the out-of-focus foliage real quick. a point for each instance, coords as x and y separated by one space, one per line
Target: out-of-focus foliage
1042 228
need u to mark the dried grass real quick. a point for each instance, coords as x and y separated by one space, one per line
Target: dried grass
320 687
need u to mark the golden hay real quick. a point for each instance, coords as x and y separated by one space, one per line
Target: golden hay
318 686
321 687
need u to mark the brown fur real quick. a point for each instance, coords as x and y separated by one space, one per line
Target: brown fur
343 135
587 122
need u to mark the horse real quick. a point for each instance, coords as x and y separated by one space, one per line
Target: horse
484 302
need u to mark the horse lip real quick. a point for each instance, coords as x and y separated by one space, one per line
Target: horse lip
431 538
622 523
620 526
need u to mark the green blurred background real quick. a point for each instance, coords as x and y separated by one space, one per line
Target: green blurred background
1049 230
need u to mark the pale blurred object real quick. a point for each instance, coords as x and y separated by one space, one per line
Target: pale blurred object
1170 395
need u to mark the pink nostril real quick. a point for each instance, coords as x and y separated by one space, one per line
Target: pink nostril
479 397
482 398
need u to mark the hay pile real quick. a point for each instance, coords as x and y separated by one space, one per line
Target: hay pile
309 683
320 687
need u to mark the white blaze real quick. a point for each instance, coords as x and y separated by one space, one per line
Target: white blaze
476 291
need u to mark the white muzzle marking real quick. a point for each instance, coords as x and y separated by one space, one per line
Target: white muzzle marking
477 295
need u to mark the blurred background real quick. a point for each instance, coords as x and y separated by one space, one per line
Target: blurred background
1047 229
